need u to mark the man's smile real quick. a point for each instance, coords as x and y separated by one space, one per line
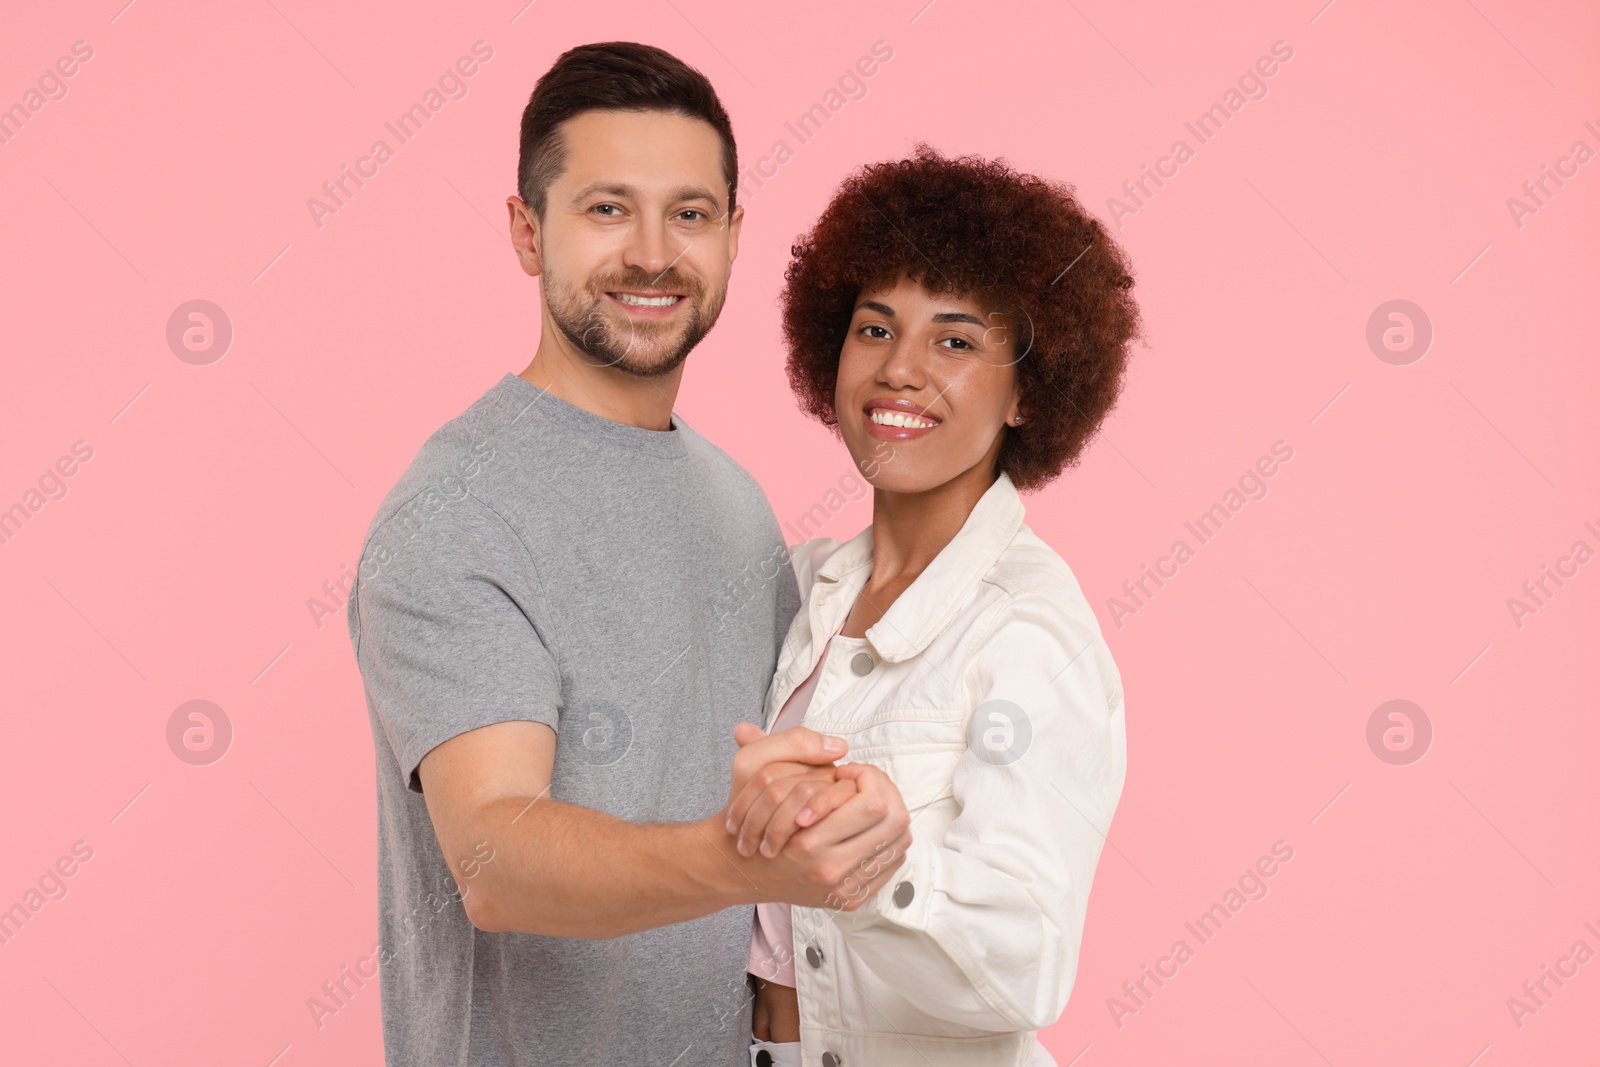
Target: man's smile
645 303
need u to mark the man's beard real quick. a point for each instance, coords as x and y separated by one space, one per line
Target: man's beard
646 349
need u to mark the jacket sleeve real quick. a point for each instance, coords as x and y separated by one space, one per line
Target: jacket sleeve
988 933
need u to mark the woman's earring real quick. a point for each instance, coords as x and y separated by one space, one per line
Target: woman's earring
1016 420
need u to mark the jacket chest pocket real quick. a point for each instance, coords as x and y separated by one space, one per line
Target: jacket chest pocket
917 748
923 777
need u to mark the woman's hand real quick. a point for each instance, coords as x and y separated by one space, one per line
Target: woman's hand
776 1014
835 834
767 796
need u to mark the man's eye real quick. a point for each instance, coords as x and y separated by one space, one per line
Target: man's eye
608 210
691 215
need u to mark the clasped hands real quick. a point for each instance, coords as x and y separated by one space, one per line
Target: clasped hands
812 831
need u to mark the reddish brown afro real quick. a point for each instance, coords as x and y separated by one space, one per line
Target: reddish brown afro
1011 242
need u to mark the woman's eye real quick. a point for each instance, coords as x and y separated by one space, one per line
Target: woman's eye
877 333
959 343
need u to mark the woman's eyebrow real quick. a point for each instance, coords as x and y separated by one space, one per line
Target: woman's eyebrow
957 316
873 305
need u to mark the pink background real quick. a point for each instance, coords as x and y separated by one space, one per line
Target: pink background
1419 499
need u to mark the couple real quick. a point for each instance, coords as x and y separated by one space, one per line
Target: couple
652 789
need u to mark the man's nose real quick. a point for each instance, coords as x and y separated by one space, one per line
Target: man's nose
650 247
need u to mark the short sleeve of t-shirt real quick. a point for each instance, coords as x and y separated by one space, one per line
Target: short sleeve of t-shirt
446 606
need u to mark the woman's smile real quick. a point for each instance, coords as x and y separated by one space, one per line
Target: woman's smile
898 419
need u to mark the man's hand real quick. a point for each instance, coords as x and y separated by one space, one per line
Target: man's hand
804 807
875 792
857 828
777 774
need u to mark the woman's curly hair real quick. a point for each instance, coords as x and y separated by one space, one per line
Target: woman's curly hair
1013 243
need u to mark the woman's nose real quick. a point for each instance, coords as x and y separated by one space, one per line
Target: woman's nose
901 368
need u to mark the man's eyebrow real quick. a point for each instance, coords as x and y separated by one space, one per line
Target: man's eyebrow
694 192
628 192
957 316
608 188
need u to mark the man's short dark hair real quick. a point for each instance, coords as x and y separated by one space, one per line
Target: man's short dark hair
615 76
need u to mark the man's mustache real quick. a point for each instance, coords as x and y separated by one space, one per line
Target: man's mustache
641 279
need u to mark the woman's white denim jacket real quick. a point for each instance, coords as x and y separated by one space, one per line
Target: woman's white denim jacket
973 944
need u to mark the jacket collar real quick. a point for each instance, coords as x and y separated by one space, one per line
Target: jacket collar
945 586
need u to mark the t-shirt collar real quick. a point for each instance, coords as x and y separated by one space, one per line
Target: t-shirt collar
534 402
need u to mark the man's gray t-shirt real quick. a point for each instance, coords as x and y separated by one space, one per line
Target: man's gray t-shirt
630 589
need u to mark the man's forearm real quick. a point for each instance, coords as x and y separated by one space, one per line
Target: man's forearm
567 871
529 864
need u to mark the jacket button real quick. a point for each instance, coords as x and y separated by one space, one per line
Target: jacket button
903 894
814 956
829 1059
763 1058
861 663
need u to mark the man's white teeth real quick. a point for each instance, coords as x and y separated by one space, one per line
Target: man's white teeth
884 417
647 301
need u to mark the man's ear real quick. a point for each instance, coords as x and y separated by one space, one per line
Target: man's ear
526 236
735 223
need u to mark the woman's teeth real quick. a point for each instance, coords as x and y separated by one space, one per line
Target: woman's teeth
896 418
646 301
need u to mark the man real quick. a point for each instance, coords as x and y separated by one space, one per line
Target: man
563 609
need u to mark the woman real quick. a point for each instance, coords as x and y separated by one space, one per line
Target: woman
964 329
